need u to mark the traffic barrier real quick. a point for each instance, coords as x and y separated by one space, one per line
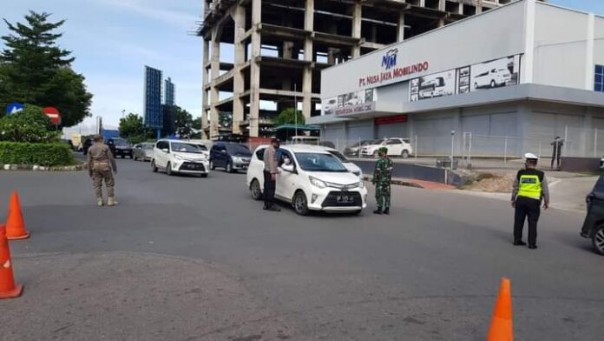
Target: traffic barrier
501 325
15 226
8 288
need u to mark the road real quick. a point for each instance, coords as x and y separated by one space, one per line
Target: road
186 258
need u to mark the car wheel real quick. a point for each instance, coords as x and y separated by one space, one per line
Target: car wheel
169 169
153 166
204 175
405 154
598 240
228 168
493 84
131 156
255 190
300 203
212 166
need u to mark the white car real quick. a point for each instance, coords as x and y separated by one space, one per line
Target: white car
396 147
352 168
176 156
316 180
493 78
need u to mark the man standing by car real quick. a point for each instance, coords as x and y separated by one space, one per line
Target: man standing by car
381 179
530 188
557 151
101 166
270 175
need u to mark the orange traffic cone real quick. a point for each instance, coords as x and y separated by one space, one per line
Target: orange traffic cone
15 226
501 325
8 288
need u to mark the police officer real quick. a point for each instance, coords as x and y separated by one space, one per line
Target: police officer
101 166
530 189
382 176
270 175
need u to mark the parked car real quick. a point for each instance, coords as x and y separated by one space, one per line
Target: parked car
492 78
396 147
232 157
352 168
593 226
316 180
329 106
87 144
120 147
176 156
143 151
355 149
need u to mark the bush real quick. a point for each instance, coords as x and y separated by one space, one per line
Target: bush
29 125
42 154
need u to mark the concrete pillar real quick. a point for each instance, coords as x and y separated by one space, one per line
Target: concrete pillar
441 5
400 34
357 15
215 73
238 81
528 63
589 53
205 100
254 116
587 136
441 22
308 57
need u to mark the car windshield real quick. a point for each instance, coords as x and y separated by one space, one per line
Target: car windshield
120 142
238 150
377 141
185 148
147 146
319 162
339 156
202 147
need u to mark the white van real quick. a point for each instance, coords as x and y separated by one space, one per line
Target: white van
315 180
176 156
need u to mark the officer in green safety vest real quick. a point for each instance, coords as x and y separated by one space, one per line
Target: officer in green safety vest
530 189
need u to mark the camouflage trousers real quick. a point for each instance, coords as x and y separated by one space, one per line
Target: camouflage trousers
382 195
100 172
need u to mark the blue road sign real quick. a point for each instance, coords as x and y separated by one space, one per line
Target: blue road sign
14 108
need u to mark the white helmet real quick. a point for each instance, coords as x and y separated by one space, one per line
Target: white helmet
531 156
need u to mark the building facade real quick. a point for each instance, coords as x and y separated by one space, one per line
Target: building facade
153 111
280 48
506 81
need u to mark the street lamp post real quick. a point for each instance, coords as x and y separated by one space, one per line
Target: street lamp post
452 146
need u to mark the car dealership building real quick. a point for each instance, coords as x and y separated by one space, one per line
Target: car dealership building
518 75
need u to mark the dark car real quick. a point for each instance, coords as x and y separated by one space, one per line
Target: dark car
230 156
593 226
87 144
120 147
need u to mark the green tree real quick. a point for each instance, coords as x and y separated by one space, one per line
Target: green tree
183 121
33 69
131 125
29 125
288 116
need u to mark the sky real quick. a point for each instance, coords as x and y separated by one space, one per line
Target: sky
113 40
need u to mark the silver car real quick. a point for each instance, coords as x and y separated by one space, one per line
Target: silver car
143 152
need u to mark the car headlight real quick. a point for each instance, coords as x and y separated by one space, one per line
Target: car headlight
177 157
236 159
317 183
361 184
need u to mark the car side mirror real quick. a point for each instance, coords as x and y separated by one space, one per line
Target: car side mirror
166 150
288 168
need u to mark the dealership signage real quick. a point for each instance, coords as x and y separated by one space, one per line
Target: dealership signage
356 109
391 71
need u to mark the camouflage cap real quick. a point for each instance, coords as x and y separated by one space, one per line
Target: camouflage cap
384 150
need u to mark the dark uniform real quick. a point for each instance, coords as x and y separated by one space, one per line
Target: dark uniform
557 151
382 176
101 166
530 188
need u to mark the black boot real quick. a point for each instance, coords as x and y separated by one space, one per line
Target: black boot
387 210
378 211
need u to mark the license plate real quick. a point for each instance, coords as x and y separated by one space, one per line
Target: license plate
345 198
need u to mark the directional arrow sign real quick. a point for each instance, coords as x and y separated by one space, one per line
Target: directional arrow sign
14 108
53 114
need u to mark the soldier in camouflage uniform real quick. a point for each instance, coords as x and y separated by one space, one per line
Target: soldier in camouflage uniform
381 179
101 166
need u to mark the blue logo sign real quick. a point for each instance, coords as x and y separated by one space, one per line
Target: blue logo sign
14 108
389 59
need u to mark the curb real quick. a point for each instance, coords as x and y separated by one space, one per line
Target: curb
37 168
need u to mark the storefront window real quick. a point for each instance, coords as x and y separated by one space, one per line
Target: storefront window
599 78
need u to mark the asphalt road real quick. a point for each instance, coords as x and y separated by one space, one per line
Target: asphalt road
186 258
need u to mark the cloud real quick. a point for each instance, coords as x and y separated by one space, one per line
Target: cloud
156 10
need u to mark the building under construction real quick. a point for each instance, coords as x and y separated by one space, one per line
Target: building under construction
256 52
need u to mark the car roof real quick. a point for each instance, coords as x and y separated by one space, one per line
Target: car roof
301 148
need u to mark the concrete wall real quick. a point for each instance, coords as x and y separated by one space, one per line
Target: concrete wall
599 40
561 48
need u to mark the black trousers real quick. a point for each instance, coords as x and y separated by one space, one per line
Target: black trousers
531 208
556 158
269 189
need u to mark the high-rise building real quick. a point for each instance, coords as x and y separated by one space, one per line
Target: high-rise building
170 92
280 48
153 111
